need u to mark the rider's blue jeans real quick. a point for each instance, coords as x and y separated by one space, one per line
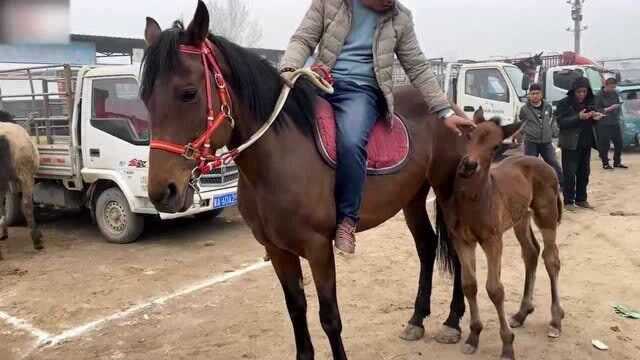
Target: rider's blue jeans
356 107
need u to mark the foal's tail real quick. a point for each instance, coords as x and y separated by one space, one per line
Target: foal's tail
447 257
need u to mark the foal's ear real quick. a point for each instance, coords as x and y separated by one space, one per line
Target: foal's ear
152 31
509 130
478 116
198 30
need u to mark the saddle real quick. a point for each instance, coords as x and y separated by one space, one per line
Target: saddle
388 147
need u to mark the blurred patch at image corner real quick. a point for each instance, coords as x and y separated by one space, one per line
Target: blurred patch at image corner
34 21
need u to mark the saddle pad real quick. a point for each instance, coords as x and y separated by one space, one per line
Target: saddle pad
388 147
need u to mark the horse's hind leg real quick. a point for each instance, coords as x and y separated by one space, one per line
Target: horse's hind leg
27 210
530 252
426 241
323 267
287 267
3 225
493 250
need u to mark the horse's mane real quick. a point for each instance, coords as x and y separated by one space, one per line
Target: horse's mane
254 80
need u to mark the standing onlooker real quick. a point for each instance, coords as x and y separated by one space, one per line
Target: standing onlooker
538 128
576 117
609 129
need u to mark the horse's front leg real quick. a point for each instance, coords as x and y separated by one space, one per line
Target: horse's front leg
4 234
323 267
287 267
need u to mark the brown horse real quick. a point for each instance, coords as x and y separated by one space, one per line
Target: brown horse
19 162
286 189
489 201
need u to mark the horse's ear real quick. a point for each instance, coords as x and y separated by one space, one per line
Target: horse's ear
198 30
152 31
478 116
509 130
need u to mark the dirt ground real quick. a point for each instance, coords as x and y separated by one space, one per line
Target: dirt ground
80 279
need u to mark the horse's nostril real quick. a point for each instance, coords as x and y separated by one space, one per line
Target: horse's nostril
171 192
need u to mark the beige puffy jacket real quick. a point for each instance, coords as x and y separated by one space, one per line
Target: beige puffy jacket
327 25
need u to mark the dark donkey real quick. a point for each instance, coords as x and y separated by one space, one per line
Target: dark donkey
285 188
488 202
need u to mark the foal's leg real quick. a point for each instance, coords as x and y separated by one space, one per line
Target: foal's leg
27 210
530 252
551 257
547 216
287 267
323 268
493 250
467 254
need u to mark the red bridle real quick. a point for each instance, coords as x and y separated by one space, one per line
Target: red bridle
200 149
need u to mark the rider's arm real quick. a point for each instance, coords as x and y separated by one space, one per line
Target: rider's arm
419 70
306 38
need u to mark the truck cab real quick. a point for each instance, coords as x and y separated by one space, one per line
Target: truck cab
558 80
93 137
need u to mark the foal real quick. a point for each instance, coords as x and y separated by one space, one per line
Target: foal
489 201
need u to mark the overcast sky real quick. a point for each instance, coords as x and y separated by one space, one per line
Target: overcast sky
446 28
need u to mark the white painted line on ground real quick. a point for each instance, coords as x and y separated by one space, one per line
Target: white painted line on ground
83 329
25 326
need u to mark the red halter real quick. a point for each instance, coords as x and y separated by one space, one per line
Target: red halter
200 149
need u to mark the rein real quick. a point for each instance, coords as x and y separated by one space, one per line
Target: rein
200 149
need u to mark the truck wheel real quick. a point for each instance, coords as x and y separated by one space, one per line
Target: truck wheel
115 219
209 215
13 209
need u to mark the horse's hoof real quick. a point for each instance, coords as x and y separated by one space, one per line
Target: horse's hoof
515 323
469 349
448 335
412 333
554 332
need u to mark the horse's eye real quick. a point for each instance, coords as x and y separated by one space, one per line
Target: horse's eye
189 95
496 148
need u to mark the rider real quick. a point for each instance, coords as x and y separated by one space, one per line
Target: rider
357 40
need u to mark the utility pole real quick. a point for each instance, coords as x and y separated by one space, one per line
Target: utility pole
578 28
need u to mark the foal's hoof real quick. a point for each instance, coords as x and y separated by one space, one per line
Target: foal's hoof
515 323
412 333
448 335
469 349
554 332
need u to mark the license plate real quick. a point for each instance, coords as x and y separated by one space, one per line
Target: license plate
224 201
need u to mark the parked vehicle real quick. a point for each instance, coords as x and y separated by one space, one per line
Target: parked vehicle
92 132
499 88
630 96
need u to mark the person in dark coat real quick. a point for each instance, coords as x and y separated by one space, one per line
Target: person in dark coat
609 130
576 116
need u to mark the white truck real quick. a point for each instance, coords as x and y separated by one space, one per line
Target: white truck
92 132
499 88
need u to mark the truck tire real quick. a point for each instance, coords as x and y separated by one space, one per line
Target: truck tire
209 215
13 209
116 221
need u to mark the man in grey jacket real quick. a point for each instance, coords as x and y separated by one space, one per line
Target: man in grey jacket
608 102
357 40
538 129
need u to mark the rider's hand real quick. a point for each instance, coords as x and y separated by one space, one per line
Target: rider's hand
457 124
287 76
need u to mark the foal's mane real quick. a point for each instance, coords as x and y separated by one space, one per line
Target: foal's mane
254 80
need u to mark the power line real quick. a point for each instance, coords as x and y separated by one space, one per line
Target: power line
577 17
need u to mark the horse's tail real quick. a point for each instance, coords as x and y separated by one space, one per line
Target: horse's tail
6 165
446 254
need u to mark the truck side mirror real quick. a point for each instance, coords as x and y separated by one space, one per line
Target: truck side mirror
525 82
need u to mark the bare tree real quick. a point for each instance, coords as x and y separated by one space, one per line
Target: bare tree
232 19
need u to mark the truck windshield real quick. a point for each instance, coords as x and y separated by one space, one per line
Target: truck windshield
631 103
595 79
516 75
